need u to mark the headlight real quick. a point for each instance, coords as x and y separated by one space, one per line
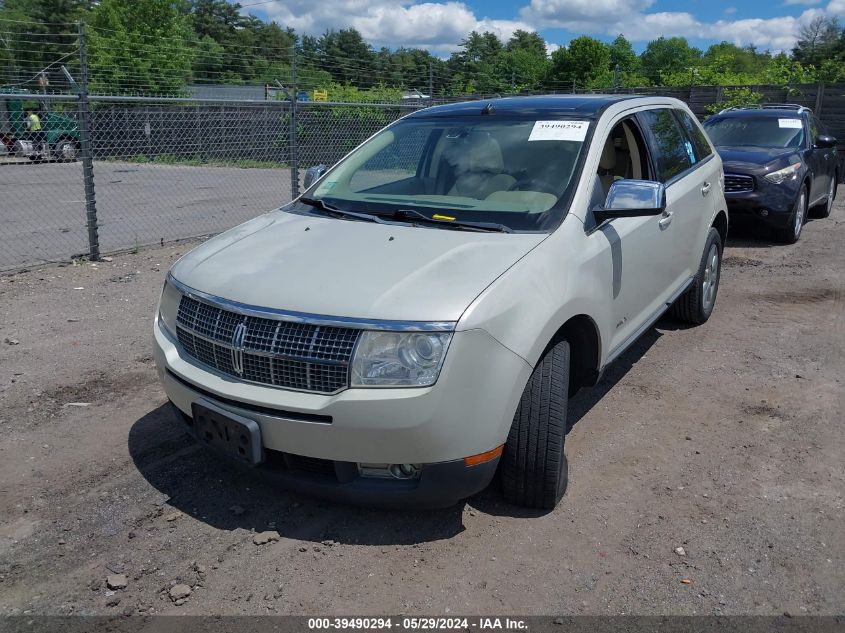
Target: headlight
786 173
399 359
168 307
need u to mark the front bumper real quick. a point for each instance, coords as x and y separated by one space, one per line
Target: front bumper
767 203
468 411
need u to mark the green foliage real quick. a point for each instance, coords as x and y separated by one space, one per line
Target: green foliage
665 56
581 64
736 98
123 53
161 46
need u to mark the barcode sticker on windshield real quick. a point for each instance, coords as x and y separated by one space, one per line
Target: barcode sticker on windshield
795 123
559 131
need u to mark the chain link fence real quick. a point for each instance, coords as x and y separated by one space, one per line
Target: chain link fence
163 169
108 172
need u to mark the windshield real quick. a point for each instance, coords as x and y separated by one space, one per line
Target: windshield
512 172
768 131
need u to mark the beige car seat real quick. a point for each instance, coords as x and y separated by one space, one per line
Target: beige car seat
479 167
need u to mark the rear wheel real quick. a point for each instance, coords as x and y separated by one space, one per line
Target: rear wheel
534 467
696 304
791 233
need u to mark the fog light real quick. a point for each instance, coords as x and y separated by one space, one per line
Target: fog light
404 471
389 471
764 212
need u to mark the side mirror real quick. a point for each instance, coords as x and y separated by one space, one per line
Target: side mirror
313 174
824 141
632 199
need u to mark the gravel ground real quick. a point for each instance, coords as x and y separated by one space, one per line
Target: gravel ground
724 440
42 205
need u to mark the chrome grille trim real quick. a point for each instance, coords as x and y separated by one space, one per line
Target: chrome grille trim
276 353
738 183
288 316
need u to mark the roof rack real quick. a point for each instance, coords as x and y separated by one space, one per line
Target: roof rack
771 106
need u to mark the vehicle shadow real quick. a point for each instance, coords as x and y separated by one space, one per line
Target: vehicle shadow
748 234
201 485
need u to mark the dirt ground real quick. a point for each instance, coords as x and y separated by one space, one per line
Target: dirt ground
725 440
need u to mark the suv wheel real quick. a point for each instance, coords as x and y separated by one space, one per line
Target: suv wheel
534 467
791 233
696 304
823 210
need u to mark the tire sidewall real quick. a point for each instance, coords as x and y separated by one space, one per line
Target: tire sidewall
713 237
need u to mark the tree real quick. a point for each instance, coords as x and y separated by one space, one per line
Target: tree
819 40
140 47
581 63
667 55
623 55
347 57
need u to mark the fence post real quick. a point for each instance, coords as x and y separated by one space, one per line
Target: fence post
819 99
294 142
85 147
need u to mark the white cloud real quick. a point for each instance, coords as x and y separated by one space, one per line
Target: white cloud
438 26
629 17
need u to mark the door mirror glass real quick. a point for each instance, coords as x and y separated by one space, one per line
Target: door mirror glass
822 140
632 199
313 174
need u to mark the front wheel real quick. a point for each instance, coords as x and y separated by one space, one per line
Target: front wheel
696 304
66 150
534 468
791 233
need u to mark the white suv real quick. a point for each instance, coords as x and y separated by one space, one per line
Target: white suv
419 317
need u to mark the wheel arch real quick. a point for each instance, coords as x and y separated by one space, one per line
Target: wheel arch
582 334
720 223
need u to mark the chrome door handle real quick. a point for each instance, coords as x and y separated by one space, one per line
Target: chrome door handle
665 219
705 188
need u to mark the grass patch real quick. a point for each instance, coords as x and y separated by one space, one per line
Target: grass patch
197 161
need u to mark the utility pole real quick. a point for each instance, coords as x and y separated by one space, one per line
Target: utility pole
616 78
430 81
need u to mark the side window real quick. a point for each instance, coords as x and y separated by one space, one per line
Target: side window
696 135
623 157
671 150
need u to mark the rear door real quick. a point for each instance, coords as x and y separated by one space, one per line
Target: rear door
694 223
815 161
687 191
827 156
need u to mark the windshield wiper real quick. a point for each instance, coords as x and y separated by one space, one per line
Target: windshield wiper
337 212
416 216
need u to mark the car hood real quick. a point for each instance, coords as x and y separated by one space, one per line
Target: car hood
753 158
335 267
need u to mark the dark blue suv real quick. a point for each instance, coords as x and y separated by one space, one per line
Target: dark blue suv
779 164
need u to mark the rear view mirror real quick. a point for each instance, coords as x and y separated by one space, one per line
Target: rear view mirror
313 174
632 199
825 141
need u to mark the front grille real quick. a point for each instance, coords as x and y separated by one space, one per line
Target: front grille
737 183
283 354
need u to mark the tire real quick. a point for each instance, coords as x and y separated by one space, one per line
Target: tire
66 150
696 304
823 210
790 234
534 468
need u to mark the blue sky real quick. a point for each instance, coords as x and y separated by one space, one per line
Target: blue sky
440 25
